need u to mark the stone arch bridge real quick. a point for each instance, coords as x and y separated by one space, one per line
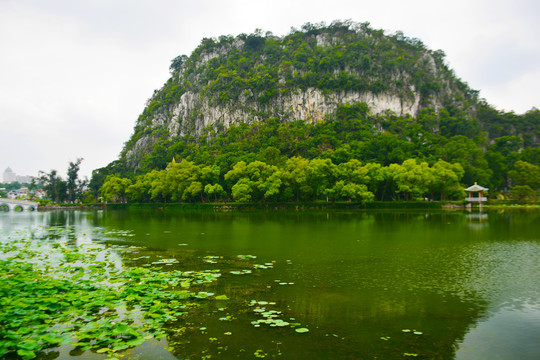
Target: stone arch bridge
13 204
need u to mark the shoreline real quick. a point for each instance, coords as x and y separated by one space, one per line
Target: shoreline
301 206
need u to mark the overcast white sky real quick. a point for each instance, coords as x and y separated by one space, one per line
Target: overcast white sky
75 74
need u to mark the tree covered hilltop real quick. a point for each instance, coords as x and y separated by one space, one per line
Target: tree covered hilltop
339 111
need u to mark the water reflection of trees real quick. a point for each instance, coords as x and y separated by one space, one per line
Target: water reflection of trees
406 281
371 274
443 319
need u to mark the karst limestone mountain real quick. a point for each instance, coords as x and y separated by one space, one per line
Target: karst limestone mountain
304 75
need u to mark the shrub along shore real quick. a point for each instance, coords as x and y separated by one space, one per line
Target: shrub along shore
233 206
296 206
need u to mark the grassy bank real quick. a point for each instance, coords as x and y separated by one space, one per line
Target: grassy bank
300 206
390 205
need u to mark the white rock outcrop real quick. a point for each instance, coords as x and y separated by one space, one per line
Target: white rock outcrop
193 113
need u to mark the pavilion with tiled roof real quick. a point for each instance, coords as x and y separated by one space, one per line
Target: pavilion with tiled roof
476 194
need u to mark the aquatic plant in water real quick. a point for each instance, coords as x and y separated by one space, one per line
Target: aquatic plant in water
59 287
54 293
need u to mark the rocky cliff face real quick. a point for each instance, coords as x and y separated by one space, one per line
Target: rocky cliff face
303 76
310 105
194 113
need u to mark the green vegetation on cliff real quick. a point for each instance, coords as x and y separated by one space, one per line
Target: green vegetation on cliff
340 57
252 77
257 74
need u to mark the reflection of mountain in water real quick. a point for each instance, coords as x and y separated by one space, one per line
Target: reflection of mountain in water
507 334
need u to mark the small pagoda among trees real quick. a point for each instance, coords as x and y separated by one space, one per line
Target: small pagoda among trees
476 194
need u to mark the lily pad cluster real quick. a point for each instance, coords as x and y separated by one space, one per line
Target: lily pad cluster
53 293
211 259
264 266
272 318
282 283
246 257
100 293
165 262
241 272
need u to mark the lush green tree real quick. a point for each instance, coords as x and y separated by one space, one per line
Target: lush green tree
353 171
272 156
454 122
523 193
446 179
525 173
241 191
17 185
158 158
413 179
215 190
193 191
499 165
465 151
297 176
507 144
323 176
159 186
53 185
344 190
96 181
118 167
137 191
531 155
238 171
272 185
181 181
429 119
501 156
387 149
114 188
264 180
377 179
141 188
74 185
62 191
342 154
210 174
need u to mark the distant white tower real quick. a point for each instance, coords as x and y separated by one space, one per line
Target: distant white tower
9 176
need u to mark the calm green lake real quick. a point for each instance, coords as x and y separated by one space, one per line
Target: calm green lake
384 285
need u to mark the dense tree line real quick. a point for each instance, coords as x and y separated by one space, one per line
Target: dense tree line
294 179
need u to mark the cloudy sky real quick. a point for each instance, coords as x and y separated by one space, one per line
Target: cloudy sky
75 74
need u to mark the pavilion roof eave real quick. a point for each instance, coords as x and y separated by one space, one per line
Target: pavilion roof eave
476 188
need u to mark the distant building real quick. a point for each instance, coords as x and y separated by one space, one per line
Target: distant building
24 179
25 193
9 176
